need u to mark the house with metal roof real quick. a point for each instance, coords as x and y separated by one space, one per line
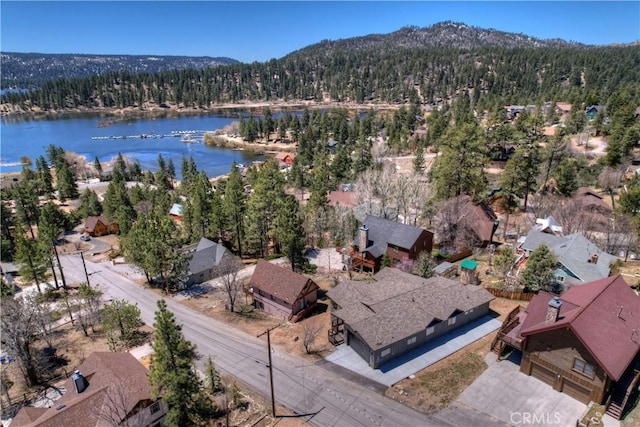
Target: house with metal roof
106 389
378 236
399 312
584 343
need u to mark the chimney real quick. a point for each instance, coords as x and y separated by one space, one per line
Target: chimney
553 310
363 238
594 259
79 381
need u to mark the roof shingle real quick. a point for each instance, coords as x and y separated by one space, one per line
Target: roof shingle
277 281
400 304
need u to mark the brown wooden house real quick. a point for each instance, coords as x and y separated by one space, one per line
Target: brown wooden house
584 343
282 292
378 236
285 159
100 226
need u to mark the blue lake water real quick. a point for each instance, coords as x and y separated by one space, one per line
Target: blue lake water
31 138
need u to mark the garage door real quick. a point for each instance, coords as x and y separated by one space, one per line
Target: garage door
543 374
354 342
576 391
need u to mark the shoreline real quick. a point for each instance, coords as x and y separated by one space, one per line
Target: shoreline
10 111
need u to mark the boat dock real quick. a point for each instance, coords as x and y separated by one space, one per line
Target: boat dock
190 136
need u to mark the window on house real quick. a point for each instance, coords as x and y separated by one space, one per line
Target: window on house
412 340
430 330
584 368
155 407
451 321
395 249
385 352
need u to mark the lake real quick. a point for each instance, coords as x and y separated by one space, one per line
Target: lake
145 139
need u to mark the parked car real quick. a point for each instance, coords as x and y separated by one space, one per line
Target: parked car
85 238
5 358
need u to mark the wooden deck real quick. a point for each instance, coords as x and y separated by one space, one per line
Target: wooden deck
505 337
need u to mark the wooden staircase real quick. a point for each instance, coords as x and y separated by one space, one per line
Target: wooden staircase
500 341
622 393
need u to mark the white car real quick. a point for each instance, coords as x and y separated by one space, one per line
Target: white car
85 238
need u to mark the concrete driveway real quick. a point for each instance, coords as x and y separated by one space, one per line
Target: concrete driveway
502 392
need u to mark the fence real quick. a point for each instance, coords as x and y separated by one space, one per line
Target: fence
515 295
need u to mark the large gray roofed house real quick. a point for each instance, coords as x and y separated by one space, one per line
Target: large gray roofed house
400 304
582 258
383 232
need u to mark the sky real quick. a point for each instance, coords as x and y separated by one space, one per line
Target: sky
262 30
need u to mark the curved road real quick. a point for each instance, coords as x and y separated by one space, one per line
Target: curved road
328 396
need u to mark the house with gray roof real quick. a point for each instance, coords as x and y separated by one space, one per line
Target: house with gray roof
579 259
204 263
378 236
398 312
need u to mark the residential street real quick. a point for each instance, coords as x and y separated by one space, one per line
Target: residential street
329 396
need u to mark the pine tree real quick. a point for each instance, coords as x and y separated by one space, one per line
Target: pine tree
566 177
214 380
235 205
171 373
418 162
97 166
32 260
460 168
538 274
291 233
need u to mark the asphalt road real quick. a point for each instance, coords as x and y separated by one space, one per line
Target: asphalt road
330 396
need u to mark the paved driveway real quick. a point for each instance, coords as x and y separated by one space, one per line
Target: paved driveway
502 392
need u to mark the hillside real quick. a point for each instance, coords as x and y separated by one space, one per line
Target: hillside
442 35
411 65
26 70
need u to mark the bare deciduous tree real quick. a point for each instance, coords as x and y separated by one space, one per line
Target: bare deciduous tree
20 332
228 269
621 236
42 312
88 313
366 190
310 331
452 224
610 179
114 407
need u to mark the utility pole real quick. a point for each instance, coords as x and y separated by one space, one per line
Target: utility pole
64 282
273 399
85 269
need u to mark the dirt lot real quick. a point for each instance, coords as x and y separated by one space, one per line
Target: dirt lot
435 387
289 337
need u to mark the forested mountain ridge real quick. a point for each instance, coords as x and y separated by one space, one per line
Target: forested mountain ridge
26 70
493 67
442 35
